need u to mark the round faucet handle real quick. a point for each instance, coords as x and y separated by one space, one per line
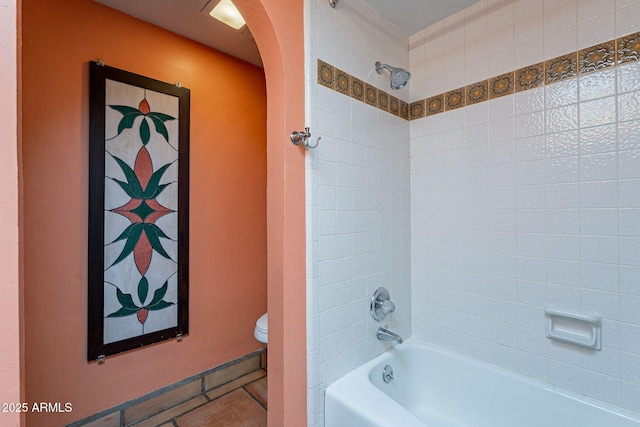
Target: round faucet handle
381 304
386 306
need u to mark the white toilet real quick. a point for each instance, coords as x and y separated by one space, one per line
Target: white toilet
261 331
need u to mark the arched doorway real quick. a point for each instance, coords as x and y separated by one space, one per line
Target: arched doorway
277 26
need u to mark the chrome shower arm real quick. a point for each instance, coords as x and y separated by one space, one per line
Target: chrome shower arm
379 66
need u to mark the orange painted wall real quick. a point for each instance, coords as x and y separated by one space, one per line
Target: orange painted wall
228 262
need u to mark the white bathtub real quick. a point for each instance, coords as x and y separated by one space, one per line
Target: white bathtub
438 388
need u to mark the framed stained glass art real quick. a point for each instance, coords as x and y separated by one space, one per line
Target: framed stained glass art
138 211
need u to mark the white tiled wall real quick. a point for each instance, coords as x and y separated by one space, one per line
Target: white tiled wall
529 200
497 36
358 213
476 219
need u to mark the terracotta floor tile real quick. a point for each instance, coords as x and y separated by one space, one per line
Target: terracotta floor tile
172 412
162 402
231 373
236 409
111 420
236 384
258 390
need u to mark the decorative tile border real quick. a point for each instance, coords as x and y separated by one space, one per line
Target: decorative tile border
325 74
560 68
404 110
416 110
435 105
343 82
454 99
529 77
628 48
477 92
394 106
501 85
383 100
340 81
604 55
597 57
357 89
371 95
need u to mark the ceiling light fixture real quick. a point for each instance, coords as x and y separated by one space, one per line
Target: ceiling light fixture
227 12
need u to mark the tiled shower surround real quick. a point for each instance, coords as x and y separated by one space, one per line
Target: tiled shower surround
531 199
358 198
517 202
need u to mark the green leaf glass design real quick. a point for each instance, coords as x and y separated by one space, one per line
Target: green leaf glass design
129 308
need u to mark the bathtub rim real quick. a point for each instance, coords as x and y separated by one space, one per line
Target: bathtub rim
362 402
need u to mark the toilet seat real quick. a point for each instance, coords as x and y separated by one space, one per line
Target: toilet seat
261 331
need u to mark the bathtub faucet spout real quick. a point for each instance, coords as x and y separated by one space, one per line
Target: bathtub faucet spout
384 334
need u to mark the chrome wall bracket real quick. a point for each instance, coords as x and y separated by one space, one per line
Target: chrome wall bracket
303 137
333 3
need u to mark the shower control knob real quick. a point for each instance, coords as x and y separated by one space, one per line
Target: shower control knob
381 304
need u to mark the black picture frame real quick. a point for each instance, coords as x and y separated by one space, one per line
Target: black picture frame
98 228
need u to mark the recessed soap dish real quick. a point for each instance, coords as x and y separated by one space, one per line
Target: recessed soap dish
578 329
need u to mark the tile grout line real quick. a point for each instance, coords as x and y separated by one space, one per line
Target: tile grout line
255 399
138 422
209 400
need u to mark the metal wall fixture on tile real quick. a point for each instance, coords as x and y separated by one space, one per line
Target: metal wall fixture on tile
381 304
298 137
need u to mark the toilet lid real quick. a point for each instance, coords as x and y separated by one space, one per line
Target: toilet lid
263 323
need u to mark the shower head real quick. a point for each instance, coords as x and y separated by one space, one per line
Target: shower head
399 77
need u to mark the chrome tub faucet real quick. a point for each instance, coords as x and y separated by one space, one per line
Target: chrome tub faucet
384 334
